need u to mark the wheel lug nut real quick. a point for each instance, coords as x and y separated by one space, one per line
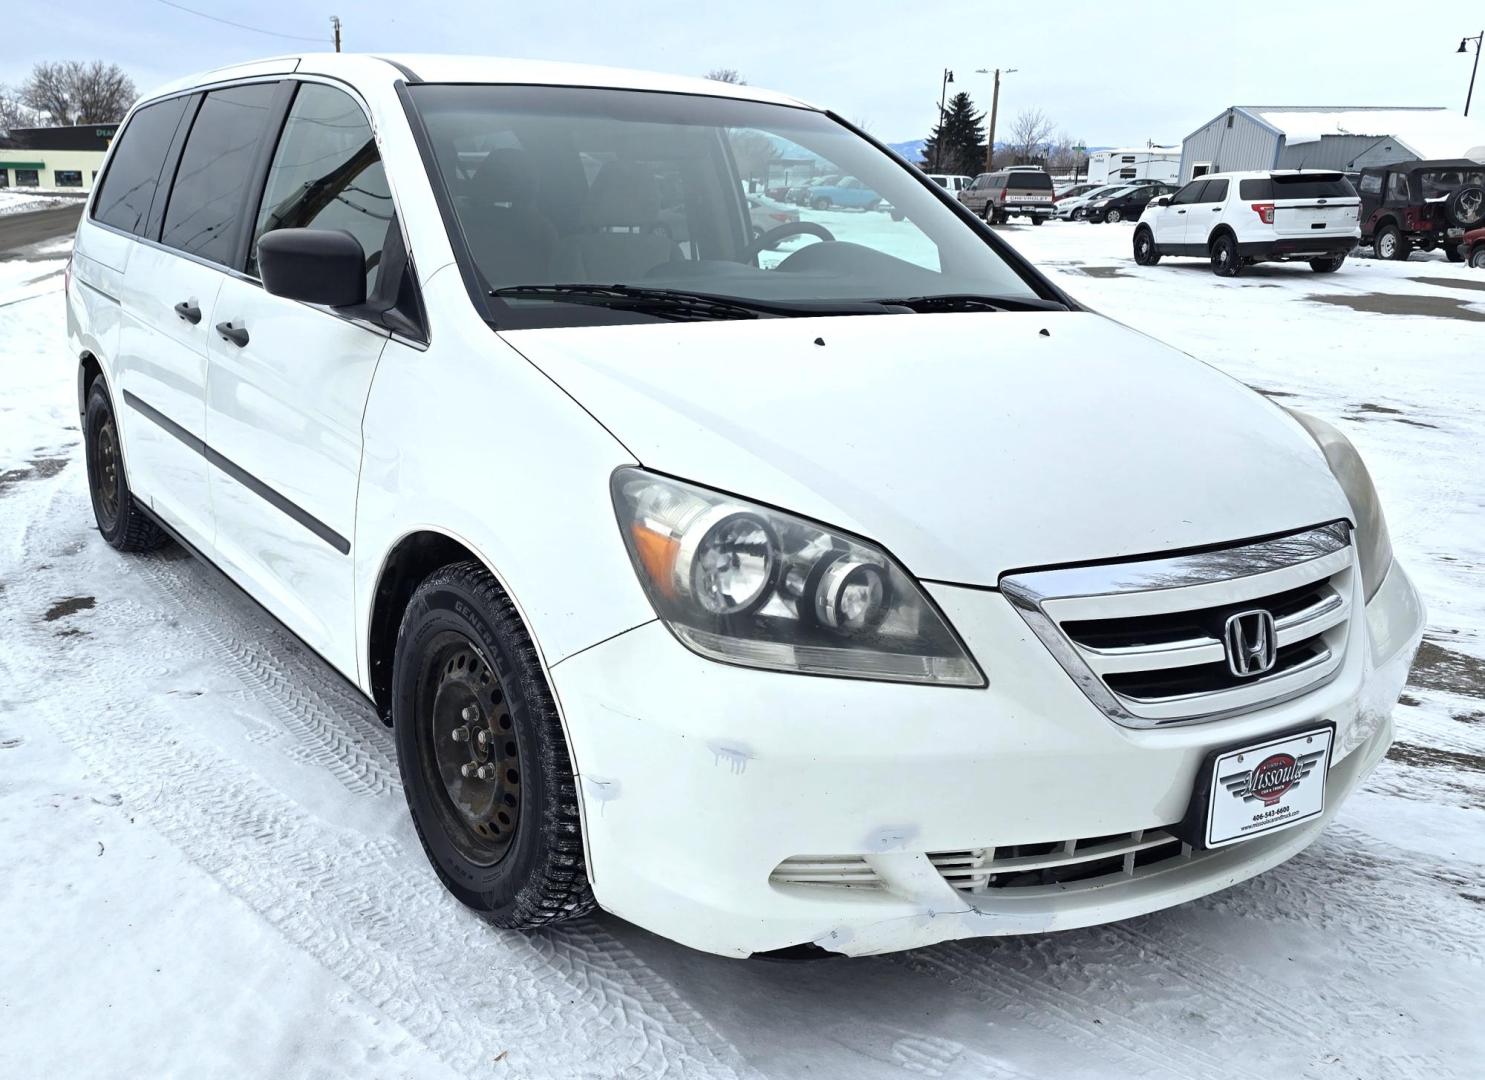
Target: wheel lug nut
487 772
482 738
460 734
468 769
470 714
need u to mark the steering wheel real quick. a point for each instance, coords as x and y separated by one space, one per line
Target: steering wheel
783 232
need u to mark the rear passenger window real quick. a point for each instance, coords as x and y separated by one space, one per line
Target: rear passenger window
1214 192
326 174
211 182
128 185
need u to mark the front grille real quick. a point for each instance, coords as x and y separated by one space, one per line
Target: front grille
1053 867
1144 639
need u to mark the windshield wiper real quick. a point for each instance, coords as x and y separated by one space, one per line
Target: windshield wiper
678 304
971 302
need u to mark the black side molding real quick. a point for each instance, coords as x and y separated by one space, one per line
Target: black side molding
241 475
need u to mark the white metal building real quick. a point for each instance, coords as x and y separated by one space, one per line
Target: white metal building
1136 163
1346 138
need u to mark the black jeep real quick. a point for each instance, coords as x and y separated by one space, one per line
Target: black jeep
1421 204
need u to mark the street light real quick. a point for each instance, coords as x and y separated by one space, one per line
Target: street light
994 108
1478 39
938 150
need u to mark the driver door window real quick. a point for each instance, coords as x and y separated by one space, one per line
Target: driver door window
1189 194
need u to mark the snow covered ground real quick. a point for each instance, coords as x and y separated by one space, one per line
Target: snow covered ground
206 867
22 202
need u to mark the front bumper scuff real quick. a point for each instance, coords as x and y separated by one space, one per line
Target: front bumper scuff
699 779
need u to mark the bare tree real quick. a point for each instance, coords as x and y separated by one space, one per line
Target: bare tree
1064 155
727 75
13 111
1029 135
102 93
73 92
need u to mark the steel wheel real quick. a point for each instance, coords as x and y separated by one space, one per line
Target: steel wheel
104 473
1477 257
470 750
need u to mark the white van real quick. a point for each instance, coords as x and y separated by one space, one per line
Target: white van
841 589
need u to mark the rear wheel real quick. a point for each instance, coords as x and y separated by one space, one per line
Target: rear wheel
483 759
1452 253
1389 243
120 521
1225 259
1477 257
1037 219
1145 252
1327 265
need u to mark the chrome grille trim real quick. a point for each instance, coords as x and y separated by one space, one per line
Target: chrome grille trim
1318 560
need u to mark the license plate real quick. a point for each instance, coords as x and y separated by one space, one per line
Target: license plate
1262 788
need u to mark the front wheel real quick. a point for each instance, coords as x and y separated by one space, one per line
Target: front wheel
1477 257
1452 253
1113 217
120 521
1225 259
483 759
822 203
1145 252
1328 264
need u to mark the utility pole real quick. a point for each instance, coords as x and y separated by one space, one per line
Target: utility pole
335 22
994 109
1479 40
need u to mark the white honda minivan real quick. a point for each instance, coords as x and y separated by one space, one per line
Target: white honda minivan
841 589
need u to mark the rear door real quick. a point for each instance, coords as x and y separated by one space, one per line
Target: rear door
286 393
1206 212
170 290
1313 204
977 194
1029 190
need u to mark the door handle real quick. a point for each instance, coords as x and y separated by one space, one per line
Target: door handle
238 335
1180 211
188 311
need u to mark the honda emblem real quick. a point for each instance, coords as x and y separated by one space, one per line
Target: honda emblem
1251 642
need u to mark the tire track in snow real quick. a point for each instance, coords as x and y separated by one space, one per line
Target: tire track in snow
1060 1013
573 1001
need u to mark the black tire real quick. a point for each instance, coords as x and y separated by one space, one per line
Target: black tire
1390 243
1477 257
1113 217
1080 214
1037 219
120 521
897 215
513 851
1465 208
1328 264
1226 262
1145 251
821 203
1453 254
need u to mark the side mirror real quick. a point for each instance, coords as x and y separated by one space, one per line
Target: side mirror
317 266
1164 200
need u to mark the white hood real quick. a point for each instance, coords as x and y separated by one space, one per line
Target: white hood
966 444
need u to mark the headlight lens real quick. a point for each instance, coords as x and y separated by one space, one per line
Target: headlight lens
1374 546
748 585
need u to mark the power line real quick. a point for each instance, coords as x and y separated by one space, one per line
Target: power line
238 25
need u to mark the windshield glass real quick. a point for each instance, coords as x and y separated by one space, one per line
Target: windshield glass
727 198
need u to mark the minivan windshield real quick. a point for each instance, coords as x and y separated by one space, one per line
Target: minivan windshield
579 205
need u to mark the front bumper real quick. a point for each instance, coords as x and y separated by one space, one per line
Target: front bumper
698 779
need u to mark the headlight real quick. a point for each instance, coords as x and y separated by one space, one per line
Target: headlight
744 584
1374 546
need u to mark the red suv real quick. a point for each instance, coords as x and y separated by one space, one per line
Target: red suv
1472 250
1421 204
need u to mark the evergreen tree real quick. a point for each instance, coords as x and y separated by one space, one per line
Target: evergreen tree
957 144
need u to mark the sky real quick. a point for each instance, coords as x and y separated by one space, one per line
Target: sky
1105 81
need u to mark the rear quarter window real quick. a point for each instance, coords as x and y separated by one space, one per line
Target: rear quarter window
132 178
